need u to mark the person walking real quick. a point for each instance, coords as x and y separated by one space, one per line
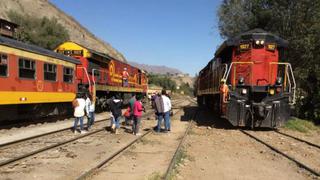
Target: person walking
116 113
137 114
90 108
159 108
79 107
166 110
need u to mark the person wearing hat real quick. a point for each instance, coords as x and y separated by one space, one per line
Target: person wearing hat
125 77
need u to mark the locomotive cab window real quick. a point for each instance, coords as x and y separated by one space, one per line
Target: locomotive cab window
67 75
3 65
27 68
50 72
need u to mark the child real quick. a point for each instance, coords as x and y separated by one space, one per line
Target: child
90 107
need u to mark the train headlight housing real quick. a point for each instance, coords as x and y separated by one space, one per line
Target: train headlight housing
271 91
244 91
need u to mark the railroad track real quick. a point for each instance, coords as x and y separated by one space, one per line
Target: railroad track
6 149
171 166
89 173
294 152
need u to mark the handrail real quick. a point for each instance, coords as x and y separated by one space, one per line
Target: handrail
293 79
86 72
226 69
227 75
292 84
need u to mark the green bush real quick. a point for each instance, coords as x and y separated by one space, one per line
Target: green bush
162 80
44 32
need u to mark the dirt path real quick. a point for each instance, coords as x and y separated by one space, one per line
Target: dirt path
218 153
148 159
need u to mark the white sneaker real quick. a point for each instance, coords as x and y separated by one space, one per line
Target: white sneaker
83 132
75 132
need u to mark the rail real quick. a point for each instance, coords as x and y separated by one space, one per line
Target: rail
300 164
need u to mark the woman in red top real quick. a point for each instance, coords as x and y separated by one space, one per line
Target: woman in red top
137 113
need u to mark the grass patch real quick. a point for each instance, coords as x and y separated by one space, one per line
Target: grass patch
148 141
155 176
181 156
300 125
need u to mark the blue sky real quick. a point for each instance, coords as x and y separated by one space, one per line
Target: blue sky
176 33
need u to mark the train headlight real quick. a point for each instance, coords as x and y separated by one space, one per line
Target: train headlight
262 42
257 42
271 91
243 91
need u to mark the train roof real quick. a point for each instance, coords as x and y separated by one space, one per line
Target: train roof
90 53
35 49
251 35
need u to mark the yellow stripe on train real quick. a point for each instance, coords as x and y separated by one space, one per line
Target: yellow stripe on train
18 97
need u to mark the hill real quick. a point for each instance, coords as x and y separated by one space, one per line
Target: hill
156 69
78 33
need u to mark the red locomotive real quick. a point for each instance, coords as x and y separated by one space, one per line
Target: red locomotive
37 82
248 82
102 75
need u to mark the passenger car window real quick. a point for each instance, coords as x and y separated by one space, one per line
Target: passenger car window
3 65
27 68
67 75
50 72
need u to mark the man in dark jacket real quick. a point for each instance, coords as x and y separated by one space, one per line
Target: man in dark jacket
115 107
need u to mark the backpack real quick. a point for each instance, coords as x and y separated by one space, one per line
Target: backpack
75 103
127 113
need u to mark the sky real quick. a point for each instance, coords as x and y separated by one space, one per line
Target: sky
182 34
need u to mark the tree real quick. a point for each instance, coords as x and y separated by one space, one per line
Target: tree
296 21
44 32
162 80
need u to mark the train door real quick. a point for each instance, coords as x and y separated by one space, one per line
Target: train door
139 77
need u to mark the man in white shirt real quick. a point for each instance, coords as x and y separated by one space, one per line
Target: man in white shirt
166 110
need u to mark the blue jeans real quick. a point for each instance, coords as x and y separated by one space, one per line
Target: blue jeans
76 121
117 121
167 120
91 118
160 117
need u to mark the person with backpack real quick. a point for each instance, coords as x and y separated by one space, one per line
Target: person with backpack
115 107
159 110
131 103
79 107
90 107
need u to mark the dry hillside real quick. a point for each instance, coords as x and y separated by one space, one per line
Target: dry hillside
78 33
